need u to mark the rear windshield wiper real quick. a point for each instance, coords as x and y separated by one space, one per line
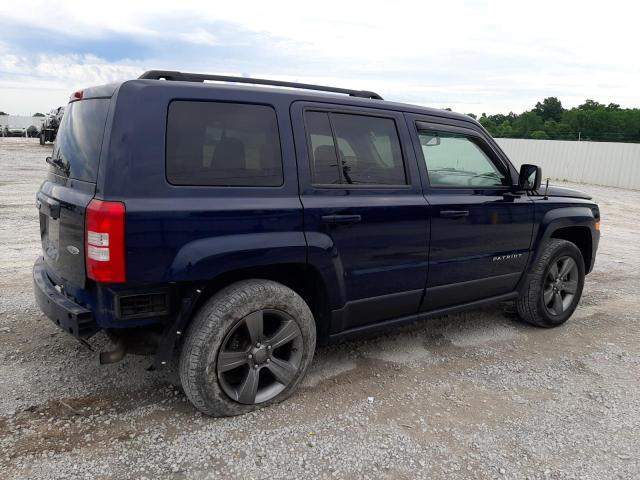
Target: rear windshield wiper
58 163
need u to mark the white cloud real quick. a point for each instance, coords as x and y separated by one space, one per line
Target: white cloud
469 55
39 83
200 37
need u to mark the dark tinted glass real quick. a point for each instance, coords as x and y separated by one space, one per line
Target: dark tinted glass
223 144
79 139
324 162
369 150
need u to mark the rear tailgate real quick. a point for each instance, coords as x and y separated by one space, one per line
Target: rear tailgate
69 188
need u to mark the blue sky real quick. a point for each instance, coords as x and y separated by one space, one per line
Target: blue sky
472 56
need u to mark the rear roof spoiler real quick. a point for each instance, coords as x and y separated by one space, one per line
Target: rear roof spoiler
201 77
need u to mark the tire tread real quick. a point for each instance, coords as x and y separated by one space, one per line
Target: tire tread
528 303
208 328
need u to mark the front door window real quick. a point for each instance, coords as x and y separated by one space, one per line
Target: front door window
455 160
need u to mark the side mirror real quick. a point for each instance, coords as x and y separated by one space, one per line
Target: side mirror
530 177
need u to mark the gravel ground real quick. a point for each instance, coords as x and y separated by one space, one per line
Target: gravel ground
475 395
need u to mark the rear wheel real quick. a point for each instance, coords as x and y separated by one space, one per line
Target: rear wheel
248 346
554 287
42 138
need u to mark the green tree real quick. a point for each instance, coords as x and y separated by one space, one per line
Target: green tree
38 114
563 132
591 120
550 128
539 135
505 130
549 109
487 123
527 123
590 105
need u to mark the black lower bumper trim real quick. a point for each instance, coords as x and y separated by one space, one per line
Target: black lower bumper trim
64 312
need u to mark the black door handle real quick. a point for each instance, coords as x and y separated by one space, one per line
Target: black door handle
454 213
341 218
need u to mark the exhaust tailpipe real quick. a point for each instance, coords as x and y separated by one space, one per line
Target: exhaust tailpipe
146 344
113 356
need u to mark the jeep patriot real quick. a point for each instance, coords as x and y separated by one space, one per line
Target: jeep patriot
236 225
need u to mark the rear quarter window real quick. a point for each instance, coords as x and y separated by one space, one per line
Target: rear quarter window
79 139
222 144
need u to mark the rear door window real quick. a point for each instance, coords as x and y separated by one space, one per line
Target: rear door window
323 152
354 149
223 144
79 139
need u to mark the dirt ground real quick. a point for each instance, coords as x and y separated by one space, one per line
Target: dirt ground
475 395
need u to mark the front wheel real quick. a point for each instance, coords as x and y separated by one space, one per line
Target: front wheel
249 346
554 286
42 138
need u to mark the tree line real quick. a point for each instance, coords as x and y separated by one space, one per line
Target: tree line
591 121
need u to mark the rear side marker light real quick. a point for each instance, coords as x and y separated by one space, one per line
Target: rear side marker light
105 241
76 96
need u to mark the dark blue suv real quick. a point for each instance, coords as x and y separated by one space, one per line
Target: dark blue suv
240 225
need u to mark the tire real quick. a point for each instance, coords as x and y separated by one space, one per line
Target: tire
221 357
42 138
545 301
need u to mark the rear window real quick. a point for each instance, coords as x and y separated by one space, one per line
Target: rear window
223 144
79 138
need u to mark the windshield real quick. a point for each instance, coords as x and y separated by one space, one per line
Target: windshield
79 139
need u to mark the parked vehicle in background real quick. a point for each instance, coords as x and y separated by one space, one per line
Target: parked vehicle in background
50 125
33 132
14 131
242 225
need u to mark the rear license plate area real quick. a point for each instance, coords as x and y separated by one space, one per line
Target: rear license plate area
50 233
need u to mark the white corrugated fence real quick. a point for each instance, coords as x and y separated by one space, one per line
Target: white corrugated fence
598 163
22 121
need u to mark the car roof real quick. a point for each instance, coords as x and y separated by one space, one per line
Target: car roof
294 94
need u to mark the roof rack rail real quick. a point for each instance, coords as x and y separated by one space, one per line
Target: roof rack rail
201 77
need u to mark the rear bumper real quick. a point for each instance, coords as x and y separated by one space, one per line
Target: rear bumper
64 312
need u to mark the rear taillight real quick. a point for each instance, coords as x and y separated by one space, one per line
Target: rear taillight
104 241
